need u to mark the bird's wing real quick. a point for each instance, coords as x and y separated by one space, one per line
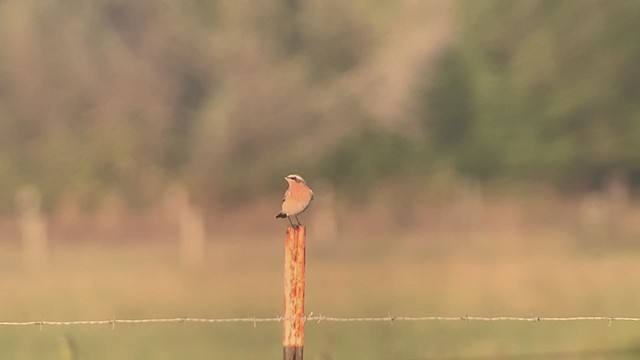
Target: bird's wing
286 195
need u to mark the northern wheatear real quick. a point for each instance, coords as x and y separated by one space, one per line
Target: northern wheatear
296 199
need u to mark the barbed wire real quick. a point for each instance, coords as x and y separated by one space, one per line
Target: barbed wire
316 318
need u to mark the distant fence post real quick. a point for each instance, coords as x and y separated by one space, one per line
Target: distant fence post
191 226
33 228
294 261
324 218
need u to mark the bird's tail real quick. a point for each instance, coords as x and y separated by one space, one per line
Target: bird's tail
281 215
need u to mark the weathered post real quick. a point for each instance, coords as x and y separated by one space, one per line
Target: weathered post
33 226
294 261
190 220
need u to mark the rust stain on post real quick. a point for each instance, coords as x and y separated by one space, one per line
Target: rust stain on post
294 261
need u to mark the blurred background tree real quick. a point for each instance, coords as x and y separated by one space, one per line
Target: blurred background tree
101 97
540 91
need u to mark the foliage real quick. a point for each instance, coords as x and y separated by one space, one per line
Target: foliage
368 158
543 90
115 97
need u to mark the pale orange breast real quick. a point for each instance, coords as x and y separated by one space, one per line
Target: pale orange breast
299 197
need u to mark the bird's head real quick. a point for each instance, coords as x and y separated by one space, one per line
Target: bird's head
293 178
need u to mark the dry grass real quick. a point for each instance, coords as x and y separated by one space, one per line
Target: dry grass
474 275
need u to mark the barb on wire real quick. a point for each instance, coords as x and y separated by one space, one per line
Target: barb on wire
313 317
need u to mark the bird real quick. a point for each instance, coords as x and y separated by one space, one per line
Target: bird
296 199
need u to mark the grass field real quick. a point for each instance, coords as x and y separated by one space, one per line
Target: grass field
534 276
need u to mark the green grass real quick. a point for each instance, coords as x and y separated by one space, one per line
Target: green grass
357 278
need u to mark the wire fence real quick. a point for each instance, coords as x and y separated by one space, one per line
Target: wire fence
318 319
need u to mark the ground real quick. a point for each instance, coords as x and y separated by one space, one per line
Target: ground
409 276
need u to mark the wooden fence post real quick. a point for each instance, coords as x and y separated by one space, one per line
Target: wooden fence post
294 261
33 226
191 224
